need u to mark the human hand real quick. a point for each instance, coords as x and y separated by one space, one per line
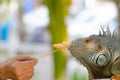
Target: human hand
19 68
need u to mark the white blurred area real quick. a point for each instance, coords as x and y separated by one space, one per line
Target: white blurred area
85 19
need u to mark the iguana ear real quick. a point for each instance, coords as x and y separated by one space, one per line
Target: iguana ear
101 60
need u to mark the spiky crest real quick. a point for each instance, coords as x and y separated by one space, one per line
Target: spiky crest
108 32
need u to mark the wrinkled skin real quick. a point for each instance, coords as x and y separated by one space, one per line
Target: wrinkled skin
99 54
18 68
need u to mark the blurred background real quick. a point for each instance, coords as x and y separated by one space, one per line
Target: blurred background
30 27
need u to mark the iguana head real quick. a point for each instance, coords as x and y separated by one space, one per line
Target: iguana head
91 49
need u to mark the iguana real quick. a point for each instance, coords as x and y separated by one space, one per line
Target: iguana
100 54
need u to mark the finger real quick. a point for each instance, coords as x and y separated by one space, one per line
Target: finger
29 63
27 71
18 58
16 68
27 75
27 58
23 58
19 67
27 68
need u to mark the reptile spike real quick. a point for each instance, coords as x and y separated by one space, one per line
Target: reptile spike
100 33
115 33
103 32
108 32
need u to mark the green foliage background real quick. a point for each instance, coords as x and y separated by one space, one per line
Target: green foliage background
58 9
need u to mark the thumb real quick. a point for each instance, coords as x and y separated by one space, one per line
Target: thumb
29 63
23 58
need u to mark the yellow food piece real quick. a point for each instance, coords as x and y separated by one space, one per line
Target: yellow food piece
117 77
66 44
61 46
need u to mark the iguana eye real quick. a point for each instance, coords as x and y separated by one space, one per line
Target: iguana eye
86 41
